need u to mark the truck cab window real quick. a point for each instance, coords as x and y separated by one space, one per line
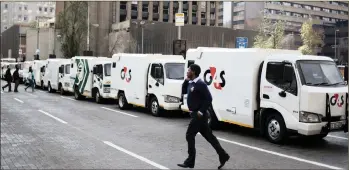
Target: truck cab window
277 75
67 69
157 72
107 69
174 71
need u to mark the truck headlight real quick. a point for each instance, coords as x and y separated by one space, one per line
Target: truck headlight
171 99
307 117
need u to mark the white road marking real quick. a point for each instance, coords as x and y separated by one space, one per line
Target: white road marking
118 111
20 101
67 98
135 155
279 154
338 137
58 119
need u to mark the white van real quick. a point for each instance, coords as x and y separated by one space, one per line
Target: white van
152 81
39 72
92 77
52 74
276 91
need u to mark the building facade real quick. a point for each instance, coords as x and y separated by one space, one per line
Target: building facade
24 12
10 41
245 15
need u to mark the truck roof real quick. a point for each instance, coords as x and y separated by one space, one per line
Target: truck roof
294 58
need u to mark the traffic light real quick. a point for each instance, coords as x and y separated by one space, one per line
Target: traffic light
180 47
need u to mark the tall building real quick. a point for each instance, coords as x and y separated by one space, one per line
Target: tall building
209 13
245 15
24 12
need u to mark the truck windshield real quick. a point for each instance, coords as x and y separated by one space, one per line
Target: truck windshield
320 73
174 71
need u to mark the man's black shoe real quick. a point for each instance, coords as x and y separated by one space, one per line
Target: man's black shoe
223 161
185 166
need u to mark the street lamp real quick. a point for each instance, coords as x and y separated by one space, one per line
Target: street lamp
142 24
335 43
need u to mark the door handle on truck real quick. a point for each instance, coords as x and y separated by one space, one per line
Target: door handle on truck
149 86
265 96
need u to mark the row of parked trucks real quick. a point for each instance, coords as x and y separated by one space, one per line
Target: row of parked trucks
278 92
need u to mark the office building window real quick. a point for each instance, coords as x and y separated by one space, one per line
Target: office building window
335 11
239 3
212 16
317 9
307 7
288 13
334 3
326 19
40 9
25 8
326 10
25 18
6 6
51 9
286 3
240 13
305 16
45 9
20 8
297 5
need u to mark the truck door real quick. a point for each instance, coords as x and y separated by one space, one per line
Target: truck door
156 80
98 77
279 89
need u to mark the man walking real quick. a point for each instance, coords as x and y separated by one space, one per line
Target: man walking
198 100
8 79
31 80
16 78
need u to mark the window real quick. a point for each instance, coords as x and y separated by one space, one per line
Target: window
40 9
288 13
19 17
157 72
107 69
51 9
317 9
25 18
326 10
174 71
307 7
305 16
276 75
20 8
45 9
67 69
25 8
6 6
334 3
286 3
239 3
240 13
335 11
297 5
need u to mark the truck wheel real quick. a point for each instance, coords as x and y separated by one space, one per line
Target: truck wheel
154 107
77 94
212 119
275 129
42 85
98 97
49 88
122 101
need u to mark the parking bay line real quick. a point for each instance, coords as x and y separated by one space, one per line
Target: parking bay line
19 100
338 137
135 155
118 111
279 154
67 98
58 119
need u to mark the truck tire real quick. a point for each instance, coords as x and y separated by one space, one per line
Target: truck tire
275 129
212 119
122 101
154 107
77 94
49 88
42 85
98 97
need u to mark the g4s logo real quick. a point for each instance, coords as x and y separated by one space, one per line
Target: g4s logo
212 71
336 100
123 74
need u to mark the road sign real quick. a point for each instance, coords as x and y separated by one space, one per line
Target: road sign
179 17
20 51
241 42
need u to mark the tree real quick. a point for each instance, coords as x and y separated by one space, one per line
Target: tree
313 40
73 28
270 33
120 42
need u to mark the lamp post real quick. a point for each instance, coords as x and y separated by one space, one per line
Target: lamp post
335 43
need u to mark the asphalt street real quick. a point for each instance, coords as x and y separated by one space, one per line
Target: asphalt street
44 130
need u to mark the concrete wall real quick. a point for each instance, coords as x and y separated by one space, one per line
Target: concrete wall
45 43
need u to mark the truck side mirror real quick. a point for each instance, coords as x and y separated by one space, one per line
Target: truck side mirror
288 73
346 73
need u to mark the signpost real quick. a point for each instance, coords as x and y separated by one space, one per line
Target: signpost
20 51
179 17
241 42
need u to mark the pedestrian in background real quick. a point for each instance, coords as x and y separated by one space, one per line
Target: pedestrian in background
16 78
30 79
198 100
8 79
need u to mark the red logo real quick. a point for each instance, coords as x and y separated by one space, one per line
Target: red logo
335 99
123 74
212 71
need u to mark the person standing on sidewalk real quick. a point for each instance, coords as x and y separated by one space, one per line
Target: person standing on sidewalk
31 79
198 100
8 79
16 78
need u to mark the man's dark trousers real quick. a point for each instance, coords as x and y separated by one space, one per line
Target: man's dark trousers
200 124
7 85
16 85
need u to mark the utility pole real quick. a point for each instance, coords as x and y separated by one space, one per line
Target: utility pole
180 7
